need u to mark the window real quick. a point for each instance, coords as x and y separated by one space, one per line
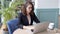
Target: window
0 4
0 14
7 0
6 3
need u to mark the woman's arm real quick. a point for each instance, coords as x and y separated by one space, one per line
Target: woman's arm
36 19
20 25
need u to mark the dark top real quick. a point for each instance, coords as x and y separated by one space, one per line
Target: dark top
23 21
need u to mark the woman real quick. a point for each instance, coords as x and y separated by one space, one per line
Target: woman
27 16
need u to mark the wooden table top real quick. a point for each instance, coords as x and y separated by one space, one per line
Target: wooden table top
21 31
0 32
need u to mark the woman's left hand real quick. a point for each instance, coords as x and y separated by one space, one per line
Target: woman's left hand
29 27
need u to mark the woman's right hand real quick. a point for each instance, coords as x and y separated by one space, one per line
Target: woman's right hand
28 27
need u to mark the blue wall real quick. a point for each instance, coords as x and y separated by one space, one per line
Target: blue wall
50 15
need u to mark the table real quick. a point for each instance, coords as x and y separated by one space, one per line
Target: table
55 31
22 31
0 32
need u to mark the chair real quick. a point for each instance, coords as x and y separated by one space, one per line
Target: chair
12 25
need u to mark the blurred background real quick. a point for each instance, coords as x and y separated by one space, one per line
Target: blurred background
45 10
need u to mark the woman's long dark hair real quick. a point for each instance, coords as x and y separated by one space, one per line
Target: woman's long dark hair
23 8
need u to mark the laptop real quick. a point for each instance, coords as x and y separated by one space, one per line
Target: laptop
40 27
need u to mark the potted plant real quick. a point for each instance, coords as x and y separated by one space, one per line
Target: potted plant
7 14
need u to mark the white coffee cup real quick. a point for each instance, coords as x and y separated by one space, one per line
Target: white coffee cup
51 26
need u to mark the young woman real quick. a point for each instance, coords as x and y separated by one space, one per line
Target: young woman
27 16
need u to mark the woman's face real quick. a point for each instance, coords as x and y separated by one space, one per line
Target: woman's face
29 8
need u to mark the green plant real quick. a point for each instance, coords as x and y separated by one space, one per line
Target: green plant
9 13
17 3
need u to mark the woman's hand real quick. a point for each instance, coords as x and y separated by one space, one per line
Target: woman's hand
28 27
